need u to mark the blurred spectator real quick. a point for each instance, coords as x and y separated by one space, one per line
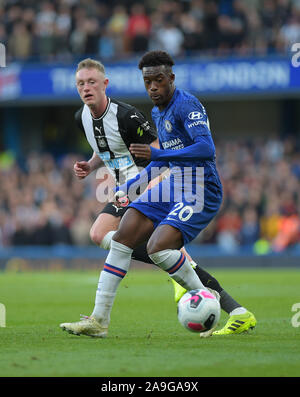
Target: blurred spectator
116 28
45 29
169 38
197 10
269 222
62 30
228 228
193 33
78 34
249 232
20 42
289 232
210 24
233 28
59 29
107 46
138 29
289 33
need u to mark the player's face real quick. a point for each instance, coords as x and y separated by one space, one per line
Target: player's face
91 86
159 84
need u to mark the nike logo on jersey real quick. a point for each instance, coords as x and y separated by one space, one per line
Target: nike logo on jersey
134 116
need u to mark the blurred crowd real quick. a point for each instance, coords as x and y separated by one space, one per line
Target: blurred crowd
43 203
63 29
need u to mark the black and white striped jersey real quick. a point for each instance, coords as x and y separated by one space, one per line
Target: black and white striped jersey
111 135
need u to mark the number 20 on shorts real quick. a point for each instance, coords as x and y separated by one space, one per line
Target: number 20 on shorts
183 212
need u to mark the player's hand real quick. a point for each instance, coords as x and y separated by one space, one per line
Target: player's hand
121 199
140 150
82 169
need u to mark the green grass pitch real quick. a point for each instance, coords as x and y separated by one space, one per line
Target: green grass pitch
145 339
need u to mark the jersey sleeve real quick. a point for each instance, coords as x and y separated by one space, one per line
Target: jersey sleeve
202 149
140 130
194 119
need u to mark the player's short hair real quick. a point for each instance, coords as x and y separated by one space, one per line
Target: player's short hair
90 63
156 58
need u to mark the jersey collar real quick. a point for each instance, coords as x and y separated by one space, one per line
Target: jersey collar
105 111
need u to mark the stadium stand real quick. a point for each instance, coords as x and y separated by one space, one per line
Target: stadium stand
62 29
44 204
41 202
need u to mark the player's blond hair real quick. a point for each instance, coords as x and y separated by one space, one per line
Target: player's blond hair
90 63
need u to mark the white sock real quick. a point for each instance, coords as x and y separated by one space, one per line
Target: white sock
105 243
238 310
178 267
109 280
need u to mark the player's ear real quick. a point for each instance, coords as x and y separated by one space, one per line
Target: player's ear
172 77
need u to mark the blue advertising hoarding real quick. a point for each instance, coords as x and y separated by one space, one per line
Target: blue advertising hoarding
254 76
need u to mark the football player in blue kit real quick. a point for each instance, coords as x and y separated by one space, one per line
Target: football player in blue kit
172 213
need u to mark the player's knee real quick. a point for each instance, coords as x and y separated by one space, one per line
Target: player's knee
96 236
120 237
158 243
165 237
154 246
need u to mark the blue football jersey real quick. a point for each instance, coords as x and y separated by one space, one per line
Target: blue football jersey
191 196
181 124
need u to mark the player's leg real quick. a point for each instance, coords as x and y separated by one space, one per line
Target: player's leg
235 310
103 229
164 249
240 319
105 226
207 280
228 304
134 228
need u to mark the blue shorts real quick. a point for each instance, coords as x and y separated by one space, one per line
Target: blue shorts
190 212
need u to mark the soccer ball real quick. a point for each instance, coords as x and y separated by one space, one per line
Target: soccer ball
198 310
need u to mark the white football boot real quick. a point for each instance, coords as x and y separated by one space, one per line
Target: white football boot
87 325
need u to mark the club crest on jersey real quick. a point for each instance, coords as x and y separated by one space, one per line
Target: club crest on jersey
101 142
195 116
168 125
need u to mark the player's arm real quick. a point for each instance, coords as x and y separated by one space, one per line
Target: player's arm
153 170
83 168
202 149
95 162
141 131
